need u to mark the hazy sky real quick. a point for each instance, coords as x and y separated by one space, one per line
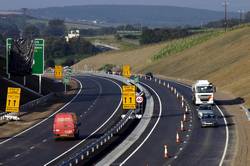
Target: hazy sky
234 5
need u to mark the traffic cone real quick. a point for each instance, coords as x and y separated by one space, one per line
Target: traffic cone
177 138
184 118
182 104
182 126
166 155
186 110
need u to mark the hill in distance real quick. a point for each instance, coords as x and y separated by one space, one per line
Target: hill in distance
154 16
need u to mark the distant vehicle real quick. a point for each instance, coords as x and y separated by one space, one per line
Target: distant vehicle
208 119
66 125
203 92
109 71
149 75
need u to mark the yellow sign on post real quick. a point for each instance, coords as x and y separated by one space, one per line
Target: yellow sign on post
129 97
126 72
13 100
58 72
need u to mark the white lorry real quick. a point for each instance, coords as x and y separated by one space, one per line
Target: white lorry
203 92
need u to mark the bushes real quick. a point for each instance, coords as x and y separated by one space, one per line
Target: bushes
157 35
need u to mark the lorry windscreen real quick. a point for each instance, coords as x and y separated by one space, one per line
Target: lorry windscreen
205 89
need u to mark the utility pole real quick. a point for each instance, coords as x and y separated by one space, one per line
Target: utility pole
226 3
241 15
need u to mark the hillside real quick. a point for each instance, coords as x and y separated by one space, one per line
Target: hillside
223 59
128 14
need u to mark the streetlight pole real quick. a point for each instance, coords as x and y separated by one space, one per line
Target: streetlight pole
226 3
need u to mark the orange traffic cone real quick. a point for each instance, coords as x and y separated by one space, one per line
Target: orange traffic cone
166 155
182 126
177 138
184 118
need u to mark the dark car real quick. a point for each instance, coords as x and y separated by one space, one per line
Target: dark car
149 75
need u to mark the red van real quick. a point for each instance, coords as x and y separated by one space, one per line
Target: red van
66 125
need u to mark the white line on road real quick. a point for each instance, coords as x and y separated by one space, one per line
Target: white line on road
158 119
44 140
32 147
48 117
117 108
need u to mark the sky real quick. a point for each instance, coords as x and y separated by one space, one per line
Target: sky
234 5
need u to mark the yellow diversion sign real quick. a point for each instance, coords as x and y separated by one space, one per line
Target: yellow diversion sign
128 97
126 72
13 99
58 73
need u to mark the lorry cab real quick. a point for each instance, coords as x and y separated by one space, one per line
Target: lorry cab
65 125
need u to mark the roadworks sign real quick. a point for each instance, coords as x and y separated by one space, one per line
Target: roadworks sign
58 72
129 97
126 72
13 100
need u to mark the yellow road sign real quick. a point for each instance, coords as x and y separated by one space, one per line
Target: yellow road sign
13 100
128 97
58 72
126 72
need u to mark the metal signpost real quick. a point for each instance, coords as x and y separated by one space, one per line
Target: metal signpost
128 97
38 61
13 100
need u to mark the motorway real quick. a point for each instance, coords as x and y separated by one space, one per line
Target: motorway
97 105
199 146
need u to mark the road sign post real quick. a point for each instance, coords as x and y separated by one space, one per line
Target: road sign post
13 100
129 97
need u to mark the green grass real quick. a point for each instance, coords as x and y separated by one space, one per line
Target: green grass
180 45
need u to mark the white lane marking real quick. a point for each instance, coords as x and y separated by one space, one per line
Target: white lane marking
117 108
17 155
151 131
32 147
44 140
225 121
48 117
227 137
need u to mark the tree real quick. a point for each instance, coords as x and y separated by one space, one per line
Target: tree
50 63
31 32
56 28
